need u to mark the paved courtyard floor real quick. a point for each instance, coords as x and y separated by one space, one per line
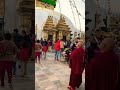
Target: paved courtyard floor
53 75
49 75
22 83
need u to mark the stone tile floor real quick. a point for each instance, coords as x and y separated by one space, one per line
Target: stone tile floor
53 75
22 83
49 75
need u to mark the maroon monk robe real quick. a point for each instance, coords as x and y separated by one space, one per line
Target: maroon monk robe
102 72
76 65
118 85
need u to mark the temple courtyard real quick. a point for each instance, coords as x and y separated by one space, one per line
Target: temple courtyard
53 75
49 75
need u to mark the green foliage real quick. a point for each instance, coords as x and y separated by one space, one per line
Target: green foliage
51 2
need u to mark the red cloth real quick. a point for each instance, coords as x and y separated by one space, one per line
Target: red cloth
23 55
6 66
45 48
48 44
37 54
76 64
102 72
57 46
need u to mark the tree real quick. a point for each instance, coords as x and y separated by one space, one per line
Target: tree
51 2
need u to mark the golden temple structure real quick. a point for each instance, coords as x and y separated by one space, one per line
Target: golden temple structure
60 31
50 30
63 29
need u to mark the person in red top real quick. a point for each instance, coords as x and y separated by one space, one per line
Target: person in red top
8 51
76 65
102 72
38 48
57 49
23 56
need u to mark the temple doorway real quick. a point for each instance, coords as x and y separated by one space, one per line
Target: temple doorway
64 37
50 37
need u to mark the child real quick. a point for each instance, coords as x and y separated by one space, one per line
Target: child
45 48
67 53
38 48
24 57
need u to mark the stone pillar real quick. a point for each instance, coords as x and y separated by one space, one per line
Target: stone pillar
54 36
10 15
22 22
60 35
25 23
2 8
68 36
45 35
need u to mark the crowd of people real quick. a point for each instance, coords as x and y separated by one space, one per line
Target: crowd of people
101 63
44 46
15 47
74 54
99 60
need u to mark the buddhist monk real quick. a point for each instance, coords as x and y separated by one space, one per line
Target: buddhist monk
118 53
76 65
102 72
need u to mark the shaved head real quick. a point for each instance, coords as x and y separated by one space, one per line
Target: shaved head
79 44
107 44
